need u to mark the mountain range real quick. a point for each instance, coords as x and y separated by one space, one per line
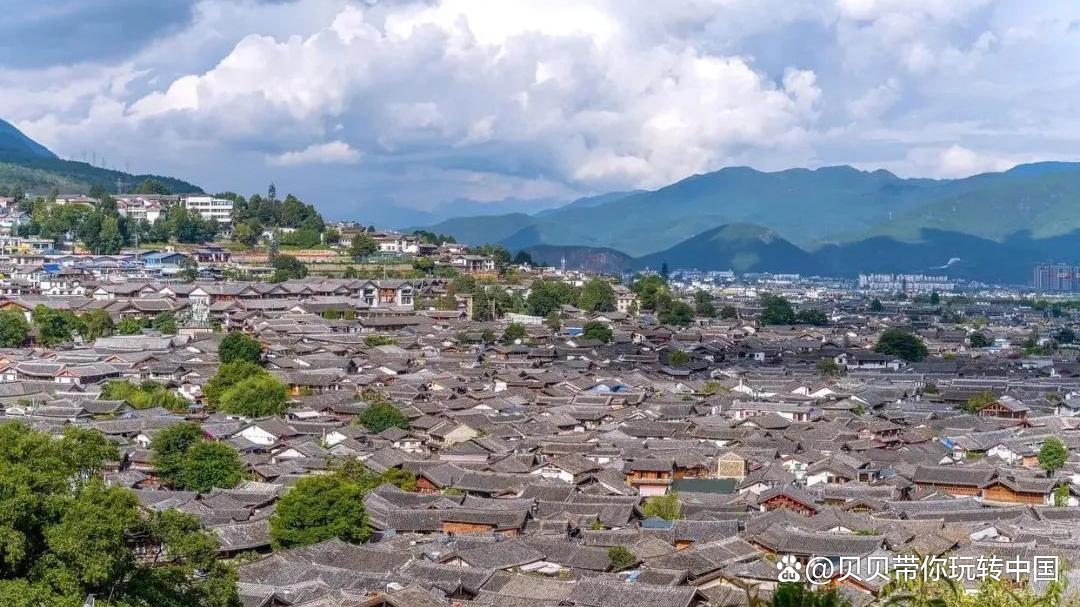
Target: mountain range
26 164
832 220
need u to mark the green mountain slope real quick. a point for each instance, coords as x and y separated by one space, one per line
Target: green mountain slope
1042 201
28 165
13 142
739 247
810 208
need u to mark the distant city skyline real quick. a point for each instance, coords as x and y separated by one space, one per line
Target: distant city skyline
362 106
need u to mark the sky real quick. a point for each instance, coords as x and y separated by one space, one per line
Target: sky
368 107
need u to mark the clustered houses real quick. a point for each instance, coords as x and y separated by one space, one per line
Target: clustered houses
533 460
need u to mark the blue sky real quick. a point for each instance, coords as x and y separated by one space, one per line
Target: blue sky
364 106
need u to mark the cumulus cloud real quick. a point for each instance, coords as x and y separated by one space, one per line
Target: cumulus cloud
957 161
333 152
563 78
465 98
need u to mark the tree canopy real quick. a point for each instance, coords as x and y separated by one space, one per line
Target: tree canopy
1052 455
678 358
209 465
65 534
382 415
362 246
145 395
777 310
319 508
667 507
257 396
227 376
514 331
237 346
597 330
902 344
546 296
621 558
184 459
13 328
980 340
597 296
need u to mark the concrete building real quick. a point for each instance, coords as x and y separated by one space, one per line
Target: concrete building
218 209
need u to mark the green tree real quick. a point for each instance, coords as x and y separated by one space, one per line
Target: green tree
977 401
902 344
256 396
208 465
243 234
66 535
677 313
554 322
169 446
423 264
935 298
829 369
108 240
319 508
227 376
1065 336
546 296
597 296
96 323
597 330
152 186
678 358
1061 496
362 246
980 340
13 328
703 304
380 416
237 346
728 312
55 326
514 331
372 341
287 267
130 326
777 310
667 507
621 558
356 472
148 394
876 306
1052 455
649 289
812 317
164 323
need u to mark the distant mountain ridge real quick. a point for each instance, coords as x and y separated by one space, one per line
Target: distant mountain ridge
14 143
748 248
26 164
803 218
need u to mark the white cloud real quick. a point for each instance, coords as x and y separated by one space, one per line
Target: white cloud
568 96
957 161
333 152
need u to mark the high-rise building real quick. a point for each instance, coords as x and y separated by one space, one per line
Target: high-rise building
1056 278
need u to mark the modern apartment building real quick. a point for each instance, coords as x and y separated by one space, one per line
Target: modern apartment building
1056 278
218 209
